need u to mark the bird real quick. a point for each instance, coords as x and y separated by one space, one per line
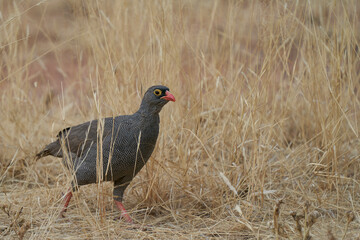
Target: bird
124 144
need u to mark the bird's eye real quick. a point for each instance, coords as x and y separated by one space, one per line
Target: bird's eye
157 92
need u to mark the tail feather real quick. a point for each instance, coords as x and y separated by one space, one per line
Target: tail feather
43 153
53 149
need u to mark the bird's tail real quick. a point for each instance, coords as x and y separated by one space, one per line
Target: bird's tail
43 153
53 149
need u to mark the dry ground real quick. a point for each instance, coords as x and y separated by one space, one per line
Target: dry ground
262 142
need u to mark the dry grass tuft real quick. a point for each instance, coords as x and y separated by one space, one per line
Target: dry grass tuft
305 221
267 108
15 222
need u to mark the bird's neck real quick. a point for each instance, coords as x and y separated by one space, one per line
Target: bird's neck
148 114
148 110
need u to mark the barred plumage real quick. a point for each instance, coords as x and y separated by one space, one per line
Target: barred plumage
127 143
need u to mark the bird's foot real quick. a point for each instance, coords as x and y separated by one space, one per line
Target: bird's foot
124 214
62 215
67 200
127 219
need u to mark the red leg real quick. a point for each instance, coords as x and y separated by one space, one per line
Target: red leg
123 211
67 201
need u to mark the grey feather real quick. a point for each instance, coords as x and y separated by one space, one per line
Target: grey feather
127 143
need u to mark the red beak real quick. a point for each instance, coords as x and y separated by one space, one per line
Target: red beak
168 96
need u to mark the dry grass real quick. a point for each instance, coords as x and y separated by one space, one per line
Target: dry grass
263 141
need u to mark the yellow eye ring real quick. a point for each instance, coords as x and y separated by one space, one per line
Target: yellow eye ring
157 92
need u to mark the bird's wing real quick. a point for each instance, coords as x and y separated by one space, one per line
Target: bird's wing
79 138
119 147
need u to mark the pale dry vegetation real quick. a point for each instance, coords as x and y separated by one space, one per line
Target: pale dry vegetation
262 142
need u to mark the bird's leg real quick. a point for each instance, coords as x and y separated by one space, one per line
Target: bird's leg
124 214
67 201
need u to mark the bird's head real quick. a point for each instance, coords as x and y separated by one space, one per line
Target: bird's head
155 98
